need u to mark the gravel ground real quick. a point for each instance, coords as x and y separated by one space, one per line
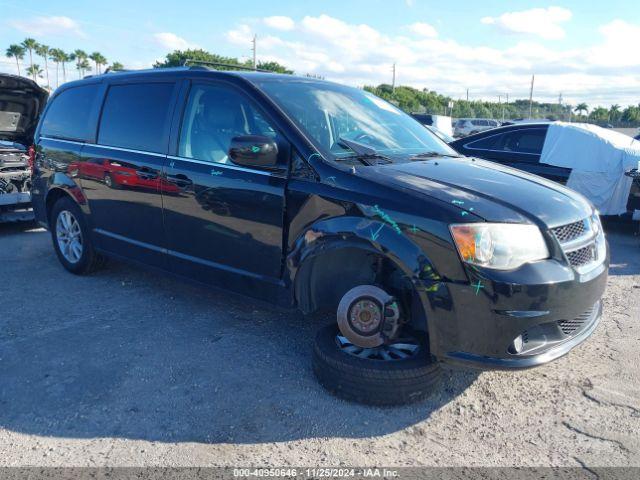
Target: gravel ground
129 368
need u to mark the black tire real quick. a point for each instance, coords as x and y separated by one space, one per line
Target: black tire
108 181
374 382
90 260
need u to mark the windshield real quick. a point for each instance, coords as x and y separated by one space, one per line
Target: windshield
329 113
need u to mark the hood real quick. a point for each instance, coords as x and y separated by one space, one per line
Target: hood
488 190
21 102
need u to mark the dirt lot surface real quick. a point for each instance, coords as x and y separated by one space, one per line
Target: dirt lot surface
127 368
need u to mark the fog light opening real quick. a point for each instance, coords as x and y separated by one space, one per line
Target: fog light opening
517 345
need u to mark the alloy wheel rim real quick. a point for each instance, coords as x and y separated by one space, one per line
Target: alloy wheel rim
401 350
69 236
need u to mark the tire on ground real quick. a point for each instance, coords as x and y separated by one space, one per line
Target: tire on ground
90 261
374 382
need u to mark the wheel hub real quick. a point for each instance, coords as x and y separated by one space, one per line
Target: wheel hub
69 236
367 316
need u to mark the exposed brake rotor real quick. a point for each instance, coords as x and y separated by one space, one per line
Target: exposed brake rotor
368 316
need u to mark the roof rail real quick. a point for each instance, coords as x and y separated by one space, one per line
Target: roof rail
111 70
190 61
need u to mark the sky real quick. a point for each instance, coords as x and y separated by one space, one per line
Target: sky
588 51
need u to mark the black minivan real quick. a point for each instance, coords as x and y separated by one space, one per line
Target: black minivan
318 196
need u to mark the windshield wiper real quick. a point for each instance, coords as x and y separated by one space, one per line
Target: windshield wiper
433 155
363 153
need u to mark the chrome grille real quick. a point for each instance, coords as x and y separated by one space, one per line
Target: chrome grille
569 232
578 242
582 256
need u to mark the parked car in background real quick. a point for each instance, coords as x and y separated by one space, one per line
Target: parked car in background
442 123
470 126
21 101
118 174
520 146
318 196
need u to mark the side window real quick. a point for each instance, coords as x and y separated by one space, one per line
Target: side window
518 141
136 116
486 143
213 116
523 141
68 117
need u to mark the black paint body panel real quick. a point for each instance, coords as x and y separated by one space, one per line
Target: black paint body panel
253 231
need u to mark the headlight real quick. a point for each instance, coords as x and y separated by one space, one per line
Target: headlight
601 243
503 246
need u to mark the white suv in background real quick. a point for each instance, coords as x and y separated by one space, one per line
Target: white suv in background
469 126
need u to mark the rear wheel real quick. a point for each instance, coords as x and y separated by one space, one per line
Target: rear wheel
71 239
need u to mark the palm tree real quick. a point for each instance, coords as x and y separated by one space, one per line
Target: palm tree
614 112
80 56
35 71
55 56
44 51
102 61
116 66
17 52
30 45
64 58
581 107
98 59
83 66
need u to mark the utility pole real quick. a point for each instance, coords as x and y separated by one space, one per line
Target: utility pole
560 103
500 105
253 48
393 80
506 103
467 94
533 77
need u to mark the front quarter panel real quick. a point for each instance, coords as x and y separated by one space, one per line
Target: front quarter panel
346 213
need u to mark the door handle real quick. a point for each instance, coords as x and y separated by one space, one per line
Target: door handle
146 173
180 180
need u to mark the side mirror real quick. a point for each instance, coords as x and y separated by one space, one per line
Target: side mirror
254 151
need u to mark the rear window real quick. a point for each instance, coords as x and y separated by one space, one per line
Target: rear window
136 116
68 117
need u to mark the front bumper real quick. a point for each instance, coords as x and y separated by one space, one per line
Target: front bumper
550 306
548 352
